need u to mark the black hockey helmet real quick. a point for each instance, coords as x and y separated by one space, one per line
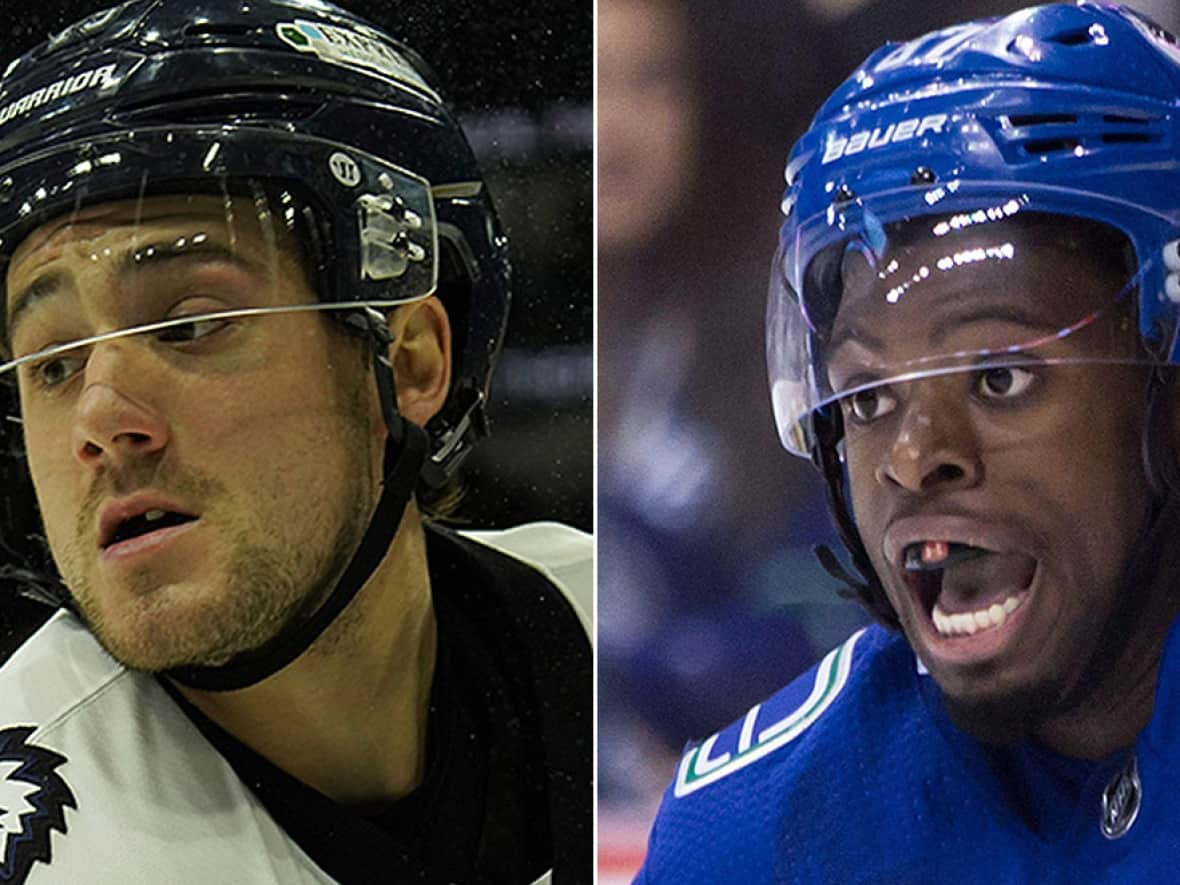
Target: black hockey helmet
334 129
302 97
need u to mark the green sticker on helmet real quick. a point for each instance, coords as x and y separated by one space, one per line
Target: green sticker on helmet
351 49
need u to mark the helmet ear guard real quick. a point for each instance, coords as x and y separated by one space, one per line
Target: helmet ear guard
473 283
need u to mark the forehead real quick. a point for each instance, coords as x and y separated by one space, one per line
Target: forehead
245 224
123 237
931 280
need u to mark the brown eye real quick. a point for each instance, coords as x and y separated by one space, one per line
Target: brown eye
1004 382
870 404
183 333
56 370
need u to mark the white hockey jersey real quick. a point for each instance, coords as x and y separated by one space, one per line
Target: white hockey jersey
104 779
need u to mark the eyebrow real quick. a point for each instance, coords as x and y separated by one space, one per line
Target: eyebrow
1014 314
972 312
152 255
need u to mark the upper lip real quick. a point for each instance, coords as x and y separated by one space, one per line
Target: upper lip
960 529
117 511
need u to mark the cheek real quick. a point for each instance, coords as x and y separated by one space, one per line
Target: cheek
1089 491
864 494
49 463
1101 516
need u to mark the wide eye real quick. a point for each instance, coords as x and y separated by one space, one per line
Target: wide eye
1004 382
870 404
194 330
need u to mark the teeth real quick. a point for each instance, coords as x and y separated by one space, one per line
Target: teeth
969 623
934 555
935 551
153 515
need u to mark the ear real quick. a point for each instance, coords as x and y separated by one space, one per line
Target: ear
421 358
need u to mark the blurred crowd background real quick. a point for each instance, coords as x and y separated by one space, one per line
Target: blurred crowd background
709 596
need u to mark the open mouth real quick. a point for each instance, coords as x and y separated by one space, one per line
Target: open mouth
145 523
966 589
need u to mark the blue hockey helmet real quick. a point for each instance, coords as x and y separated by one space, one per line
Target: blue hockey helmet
949 176
1059 124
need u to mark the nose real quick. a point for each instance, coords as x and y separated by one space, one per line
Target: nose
935 446
115 419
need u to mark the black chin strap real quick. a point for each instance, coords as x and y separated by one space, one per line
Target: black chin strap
866 589
406 451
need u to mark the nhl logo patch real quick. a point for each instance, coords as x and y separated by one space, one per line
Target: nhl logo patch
1121 800
33 799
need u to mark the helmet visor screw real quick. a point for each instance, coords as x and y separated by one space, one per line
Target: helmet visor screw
922 175
844 195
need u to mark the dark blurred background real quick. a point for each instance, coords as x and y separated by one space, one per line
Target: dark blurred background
519 74
709 597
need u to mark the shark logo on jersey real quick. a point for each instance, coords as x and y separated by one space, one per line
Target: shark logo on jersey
33 799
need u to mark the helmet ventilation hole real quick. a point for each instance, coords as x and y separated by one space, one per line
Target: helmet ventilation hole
1053 133
1042 119
1074 37
1052 145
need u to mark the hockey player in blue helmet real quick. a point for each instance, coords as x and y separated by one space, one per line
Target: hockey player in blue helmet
254 290
972 329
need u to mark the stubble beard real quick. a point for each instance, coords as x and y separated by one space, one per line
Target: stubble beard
267 585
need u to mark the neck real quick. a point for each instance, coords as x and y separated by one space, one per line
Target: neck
348 717
1124 674
1111 718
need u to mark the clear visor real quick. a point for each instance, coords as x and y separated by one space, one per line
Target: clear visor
55 365
995 291
167 234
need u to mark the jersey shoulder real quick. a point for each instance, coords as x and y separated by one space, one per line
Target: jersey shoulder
101 770
565 555
736 793
537 585
59 669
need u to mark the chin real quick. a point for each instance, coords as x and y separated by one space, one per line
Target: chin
153 644
1001 719
173 626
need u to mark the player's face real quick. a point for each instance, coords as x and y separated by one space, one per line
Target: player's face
1029 478
201 485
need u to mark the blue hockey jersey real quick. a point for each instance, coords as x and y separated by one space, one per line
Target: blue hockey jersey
855 774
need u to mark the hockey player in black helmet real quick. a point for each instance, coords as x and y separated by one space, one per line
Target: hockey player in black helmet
254 291
972 331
